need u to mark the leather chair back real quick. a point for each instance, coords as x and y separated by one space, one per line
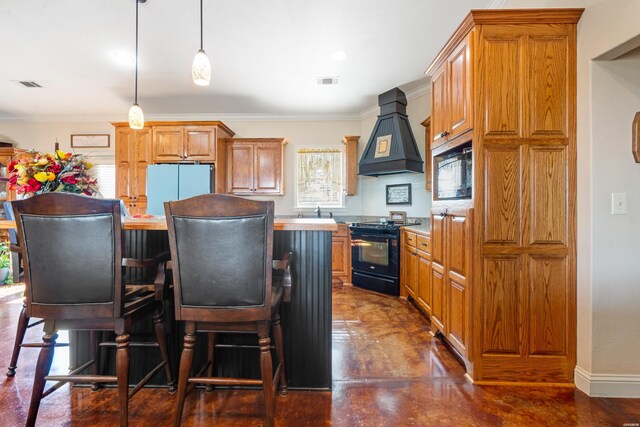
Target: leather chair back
222 251
72 250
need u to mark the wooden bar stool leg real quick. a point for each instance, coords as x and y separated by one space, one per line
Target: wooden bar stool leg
266 370
122 372
186 359
23 322
211 354
161 337
277 332
95 353
42 370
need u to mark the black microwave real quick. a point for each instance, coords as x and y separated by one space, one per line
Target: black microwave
454 174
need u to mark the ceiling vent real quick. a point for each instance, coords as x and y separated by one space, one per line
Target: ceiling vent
29 84
324 81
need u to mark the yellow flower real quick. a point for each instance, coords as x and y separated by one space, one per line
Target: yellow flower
61 155
41 176
42 161
88 165
51 176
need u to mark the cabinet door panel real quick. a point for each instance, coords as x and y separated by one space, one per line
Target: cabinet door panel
502 85
437 237
500 305
268 168
459 84
240 169
168 142
549 298
200 143
439 123
457 315
411 270
438 297
424 283
548 93
457 242
548 169
338 256
142 159
125 140
502 193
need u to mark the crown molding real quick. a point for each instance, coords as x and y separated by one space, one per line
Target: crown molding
240 117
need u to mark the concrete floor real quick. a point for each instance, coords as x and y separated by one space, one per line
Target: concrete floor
387 371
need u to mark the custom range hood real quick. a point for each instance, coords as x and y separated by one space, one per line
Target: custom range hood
391 147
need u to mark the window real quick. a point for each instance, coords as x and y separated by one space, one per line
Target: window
320 178
106 176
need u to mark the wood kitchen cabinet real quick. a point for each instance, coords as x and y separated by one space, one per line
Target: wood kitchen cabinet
165 142
255 166
187 142
133 155
341 254
452 112
503 268
416 269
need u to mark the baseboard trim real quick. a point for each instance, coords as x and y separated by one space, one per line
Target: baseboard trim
607 385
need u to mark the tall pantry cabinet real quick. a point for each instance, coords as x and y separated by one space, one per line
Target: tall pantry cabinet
505 82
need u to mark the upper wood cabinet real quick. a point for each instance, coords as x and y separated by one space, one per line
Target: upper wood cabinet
174 144
254 166
506 81
133 155
452 109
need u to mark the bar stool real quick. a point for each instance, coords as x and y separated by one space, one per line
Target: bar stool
222 260
72 249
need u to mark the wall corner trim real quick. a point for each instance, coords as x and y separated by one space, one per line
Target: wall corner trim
607 385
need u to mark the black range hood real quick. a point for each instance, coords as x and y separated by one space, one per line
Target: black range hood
392 147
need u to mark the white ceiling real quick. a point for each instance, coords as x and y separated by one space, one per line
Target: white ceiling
266 54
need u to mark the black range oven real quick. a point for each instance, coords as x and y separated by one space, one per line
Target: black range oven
375 257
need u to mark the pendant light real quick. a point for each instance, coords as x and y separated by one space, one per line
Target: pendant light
201 68
136 117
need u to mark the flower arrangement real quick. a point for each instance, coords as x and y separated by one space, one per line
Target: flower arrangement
38 173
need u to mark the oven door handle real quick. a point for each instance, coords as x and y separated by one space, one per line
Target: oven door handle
377 236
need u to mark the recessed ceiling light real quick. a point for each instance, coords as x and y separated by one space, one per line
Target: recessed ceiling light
124 59
338 55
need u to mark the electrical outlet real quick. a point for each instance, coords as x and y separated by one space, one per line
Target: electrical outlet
618 203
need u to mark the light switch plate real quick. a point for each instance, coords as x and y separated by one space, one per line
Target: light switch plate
618 203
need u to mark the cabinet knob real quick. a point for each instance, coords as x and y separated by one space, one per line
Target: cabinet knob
443 134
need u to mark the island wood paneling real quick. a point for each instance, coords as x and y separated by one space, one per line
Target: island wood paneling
306 320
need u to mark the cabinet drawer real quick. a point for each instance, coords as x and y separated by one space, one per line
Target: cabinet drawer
424 244
410 239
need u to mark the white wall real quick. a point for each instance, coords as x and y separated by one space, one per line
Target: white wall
608 284
374 201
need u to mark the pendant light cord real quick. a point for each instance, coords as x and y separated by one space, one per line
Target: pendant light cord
136 79
201 30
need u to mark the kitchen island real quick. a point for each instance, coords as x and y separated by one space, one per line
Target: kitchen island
306 320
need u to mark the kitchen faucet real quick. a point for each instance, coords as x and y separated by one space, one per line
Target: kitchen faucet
318 213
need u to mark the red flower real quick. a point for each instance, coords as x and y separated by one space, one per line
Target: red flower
54 168
69 179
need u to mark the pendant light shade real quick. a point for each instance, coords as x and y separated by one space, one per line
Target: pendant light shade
201 67
136 117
